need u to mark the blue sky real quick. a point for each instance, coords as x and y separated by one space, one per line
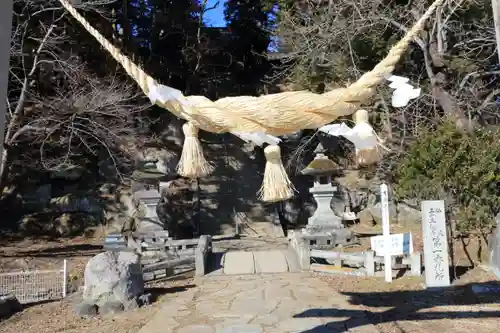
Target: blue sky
215 17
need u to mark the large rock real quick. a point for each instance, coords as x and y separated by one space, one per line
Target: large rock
376 212
113 282
408 213
72 204
68 225
9 305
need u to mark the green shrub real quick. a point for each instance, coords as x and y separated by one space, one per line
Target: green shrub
462 169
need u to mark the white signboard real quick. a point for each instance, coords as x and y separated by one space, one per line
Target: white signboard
436 262
394 245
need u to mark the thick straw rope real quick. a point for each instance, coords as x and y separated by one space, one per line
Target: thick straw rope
275 114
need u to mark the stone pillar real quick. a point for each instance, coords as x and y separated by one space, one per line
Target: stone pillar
148 200
324 217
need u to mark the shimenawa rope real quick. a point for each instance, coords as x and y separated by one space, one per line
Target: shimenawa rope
276 114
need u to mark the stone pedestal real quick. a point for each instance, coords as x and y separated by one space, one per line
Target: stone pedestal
147 201
324 217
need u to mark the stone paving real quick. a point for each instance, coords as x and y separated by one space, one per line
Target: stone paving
271 303
257 262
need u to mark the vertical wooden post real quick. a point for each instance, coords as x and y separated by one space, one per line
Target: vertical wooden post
369 263
384 198
6 10
304 253
495 5
65 278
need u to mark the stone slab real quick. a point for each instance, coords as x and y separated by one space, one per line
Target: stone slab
270 262
436 254
238 262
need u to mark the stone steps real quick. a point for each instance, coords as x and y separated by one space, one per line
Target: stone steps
256 262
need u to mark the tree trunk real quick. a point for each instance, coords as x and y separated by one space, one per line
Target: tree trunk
3 168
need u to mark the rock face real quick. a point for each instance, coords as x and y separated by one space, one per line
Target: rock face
113 282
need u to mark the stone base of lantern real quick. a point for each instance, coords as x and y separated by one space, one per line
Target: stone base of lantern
326 236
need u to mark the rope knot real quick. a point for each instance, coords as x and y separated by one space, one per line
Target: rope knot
273 154
190 130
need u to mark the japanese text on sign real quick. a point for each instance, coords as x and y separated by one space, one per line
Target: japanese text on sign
435 244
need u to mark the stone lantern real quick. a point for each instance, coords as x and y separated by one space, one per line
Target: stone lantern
147 180
324 221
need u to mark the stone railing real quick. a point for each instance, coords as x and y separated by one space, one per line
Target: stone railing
359 263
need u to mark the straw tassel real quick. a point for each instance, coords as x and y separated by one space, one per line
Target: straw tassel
192 163
276 185
369 155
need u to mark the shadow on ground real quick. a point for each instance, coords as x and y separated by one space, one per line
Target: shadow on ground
158 292
405 306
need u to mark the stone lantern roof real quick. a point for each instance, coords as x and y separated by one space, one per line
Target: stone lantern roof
321 165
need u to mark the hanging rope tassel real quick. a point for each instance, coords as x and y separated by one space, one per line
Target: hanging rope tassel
367 151
276 185
192 163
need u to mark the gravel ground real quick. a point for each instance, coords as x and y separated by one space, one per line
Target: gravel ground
403 306
58 316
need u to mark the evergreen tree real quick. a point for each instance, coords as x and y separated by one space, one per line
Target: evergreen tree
250 23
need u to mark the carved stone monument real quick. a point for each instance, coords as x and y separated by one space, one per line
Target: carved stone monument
436 261
324 221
